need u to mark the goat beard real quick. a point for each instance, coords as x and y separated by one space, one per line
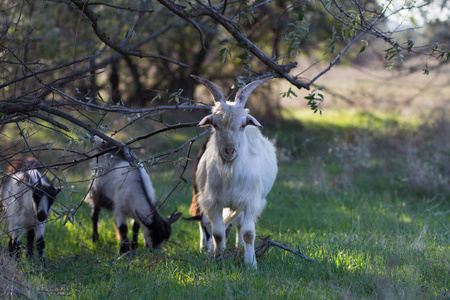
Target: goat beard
226 170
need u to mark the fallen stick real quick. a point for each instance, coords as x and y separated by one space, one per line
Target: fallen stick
262 248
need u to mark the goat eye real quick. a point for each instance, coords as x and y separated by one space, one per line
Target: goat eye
216 127
242 127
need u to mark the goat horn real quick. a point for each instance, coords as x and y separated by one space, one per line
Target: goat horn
244 92
215 91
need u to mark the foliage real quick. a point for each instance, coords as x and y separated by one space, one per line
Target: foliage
315 99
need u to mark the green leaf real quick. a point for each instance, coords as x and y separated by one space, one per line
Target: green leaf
130 33
301 13
243 56
242 44
390 67
410 45
184 180
364 46
291 92
223 54
288 94
413 21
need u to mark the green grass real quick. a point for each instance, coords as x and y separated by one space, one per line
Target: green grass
341 198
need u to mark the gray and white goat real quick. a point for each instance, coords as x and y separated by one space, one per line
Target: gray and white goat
27 196
236 171
129 193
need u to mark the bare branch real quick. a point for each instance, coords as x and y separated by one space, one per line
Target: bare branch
9 107
120 7
130 157
167 128
262 248
180 12
49 120
81 6
337 58
32 74
239 37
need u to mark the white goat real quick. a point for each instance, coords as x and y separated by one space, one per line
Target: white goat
237 169
206 237
129 193
27 196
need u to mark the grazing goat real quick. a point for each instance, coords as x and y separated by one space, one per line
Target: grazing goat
129 193
27 197
236 171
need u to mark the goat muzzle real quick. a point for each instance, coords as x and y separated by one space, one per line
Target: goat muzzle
229 153
41 216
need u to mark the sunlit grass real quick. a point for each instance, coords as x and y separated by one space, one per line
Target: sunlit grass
337 198
352 118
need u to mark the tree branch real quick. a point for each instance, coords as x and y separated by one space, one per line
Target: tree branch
10 107
32 74
266 243
130 157
282 71
180 12
81 6
337 58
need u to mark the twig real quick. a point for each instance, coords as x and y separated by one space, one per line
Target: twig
92 18
180 178
338 57
120 7
262 248
51 69
177 9
130 157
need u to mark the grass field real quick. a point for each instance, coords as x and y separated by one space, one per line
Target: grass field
365 195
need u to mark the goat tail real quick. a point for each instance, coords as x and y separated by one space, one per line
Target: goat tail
147 184
229 216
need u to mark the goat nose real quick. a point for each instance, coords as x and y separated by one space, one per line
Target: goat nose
41 216
229 150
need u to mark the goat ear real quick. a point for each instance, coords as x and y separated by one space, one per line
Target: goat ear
196 218
146 219
174 217
205 121
252 121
